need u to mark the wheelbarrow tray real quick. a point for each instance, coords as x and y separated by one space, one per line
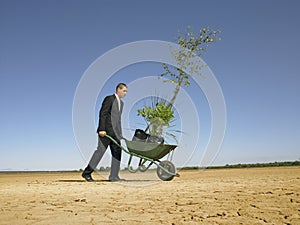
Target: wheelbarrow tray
150 150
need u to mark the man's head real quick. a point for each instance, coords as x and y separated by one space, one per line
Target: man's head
121 90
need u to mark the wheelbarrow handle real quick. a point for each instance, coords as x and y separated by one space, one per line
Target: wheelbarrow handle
114 141
126 150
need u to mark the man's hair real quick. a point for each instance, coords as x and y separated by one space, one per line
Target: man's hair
120 85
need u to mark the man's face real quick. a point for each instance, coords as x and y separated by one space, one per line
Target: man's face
121 92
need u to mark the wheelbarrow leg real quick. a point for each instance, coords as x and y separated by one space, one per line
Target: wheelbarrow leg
129 167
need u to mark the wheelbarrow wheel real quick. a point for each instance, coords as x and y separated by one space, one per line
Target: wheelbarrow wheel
162 174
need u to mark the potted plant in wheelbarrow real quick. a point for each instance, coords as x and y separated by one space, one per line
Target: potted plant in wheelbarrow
158 116
160 113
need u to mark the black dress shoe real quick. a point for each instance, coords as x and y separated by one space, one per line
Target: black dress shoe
116 179
87 177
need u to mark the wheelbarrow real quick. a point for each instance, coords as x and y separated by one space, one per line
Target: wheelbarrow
150 153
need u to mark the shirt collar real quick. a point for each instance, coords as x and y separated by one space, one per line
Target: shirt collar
117 97
119 102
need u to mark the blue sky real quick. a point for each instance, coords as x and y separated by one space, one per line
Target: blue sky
46 46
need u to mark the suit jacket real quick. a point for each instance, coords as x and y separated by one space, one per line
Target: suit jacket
110 117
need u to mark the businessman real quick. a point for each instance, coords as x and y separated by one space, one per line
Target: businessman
109 123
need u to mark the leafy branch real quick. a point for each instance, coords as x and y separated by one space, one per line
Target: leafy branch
192 45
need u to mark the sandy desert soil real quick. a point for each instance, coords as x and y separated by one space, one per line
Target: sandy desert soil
227 196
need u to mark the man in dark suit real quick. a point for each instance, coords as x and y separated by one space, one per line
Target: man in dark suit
109 123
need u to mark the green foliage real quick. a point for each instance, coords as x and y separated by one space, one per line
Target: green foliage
197 42
157 116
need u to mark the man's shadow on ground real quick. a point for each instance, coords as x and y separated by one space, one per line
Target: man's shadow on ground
101 181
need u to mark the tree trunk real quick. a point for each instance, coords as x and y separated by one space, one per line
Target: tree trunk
176 91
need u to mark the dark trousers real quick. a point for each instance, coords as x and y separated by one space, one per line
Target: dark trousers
116 153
